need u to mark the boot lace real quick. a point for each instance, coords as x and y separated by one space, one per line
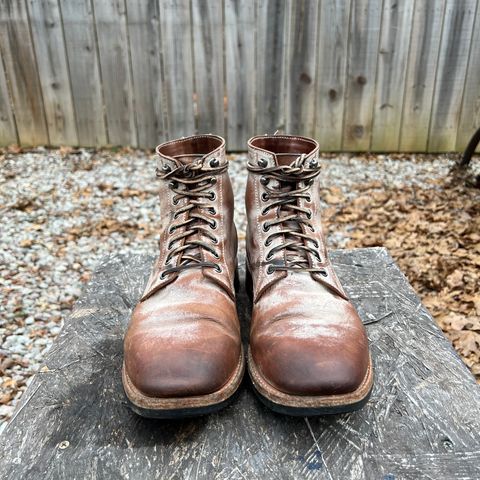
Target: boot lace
284 186
193 182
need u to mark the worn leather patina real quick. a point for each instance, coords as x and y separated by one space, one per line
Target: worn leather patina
183 339
306 338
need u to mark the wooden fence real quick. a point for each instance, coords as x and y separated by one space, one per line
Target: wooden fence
381 75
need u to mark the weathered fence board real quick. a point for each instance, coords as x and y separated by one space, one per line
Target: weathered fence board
421 72
270 53
83 63
470 116
376 75
240 71
332 53
115 67
393 55
47 32
21 69
451 71
8 131
421 422
207 18
302 17
365 24
176 33
143 29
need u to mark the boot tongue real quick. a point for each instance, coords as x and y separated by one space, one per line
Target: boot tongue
292 160
286 159
194 161
188 159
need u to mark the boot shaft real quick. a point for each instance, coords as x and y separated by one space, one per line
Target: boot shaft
284 232
197 232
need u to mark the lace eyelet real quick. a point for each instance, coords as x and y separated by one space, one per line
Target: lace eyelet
216 255
267 242
164 274
166 168
266 227
324 273
213 180
212 196
175 201
315 243
269 256
262 162
173 184
270 270
264 180
309 214
309 198
218 268
214 225
265 196
265 211
313 163
215 241
212 210
172 229
169 247
214 162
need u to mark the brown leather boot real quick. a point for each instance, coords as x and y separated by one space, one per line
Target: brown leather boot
183 353
308 348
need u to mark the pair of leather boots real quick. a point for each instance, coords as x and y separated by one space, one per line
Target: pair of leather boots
308 352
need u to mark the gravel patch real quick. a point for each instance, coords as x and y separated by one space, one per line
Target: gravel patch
63 210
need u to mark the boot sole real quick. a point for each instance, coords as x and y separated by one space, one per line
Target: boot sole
303 405
182 407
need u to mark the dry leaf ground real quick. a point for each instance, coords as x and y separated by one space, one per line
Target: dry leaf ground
432 230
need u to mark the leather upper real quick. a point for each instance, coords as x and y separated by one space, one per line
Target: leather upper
306 337
183 338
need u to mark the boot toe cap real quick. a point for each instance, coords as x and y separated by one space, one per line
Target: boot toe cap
301 376
170 368
313 367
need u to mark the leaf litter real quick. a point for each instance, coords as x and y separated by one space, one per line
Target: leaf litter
433 233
